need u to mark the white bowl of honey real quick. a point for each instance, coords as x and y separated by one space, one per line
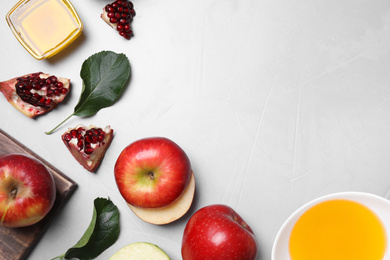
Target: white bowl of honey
44 27
339 226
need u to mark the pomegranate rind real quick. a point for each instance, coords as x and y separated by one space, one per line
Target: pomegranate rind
89 161
9 91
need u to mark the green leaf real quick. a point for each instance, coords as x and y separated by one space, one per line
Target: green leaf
104 76
102 232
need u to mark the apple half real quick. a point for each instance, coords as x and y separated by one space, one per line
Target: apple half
140 251
170 213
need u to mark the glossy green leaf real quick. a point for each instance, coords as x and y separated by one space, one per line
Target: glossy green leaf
104 76
102 232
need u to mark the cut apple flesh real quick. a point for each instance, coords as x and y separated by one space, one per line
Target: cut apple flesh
140 251
170 213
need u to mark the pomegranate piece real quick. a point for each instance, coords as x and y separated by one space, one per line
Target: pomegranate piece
119 15
88 145
36 93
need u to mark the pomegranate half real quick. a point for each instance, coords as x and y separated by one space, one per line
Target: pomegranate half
36 93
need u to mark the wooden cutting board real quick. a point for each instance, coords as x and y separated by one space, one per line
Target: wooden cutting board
17 243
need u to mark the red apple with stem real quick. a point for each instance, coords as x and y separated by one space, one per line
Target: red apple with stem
217 232
154 177
27 190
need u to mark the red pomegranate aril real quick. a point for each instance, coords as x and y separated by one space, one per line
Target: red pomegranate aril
64 91
48 102
80 144
101 137
113 20
120 9
67 137
73 133
119 27
88 150
126 27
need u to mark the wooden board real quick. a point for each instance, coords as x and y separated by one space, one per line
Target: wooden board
17 243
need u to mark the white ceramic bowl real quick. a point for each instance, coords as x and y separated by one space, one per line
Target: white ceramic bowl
377 204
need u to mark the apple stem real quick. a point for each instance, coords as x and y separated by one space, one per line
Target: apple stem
13 193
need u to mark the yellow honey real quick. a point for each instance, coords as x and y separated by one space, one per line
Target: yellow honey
44 27
338 230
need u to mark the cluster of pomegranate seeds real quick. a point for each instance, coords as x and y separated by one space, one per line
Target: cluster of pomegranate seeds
86 138
32 88
120 14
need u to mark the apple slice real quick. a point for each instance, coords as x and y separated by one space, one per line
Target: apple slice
170 213
140 251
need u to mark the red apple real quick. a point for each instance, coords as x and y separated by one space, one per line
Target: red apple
217 232
154 175
27 190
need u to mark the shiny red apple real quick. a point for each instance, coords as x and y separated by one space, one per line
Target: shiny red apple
27 190
217 232
154 177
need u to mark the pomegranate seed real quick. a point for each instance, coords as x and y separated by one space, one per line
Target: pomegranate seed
80 144
73 133
100 137
126 27
88 139
111 14
113 20
94 139
68 137
64 91
48 102
36 86
119 27
88 150
59 84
